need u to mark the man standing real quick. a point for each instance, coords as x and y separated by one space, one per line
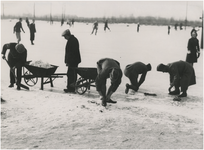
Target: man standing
32 32
181 75
16 58
108 68
72 59
132 71
17 28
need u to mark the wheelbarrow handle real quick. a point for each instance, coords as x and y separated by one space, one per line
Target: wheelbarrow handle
19 84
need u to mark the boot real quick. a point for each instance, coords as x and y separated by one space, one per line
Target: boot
184 94
11 85
175 92
127 88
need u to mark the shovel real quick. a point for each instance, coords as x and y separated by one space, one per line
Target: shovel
18 84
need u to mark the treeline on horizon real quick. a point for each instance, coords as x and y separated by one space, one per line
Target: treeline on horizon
148 20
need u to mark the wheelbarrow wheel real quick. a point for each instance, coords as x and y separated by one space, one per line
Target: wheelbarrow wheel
81 86
30 79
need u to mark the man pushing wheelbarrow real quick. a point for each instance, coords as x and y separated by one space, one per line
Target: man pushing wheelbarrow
16 59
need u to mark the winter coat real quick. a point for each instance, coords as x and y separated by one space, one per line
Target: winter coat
193 47
181 74
104 67
72 52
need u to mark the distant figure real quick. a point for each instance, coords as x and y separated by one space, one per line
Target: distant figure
72 59
69 22
73 22
193 48
51 20
32 32
108 68
27 22
62 21
138 27
16 58
176 26
181 26
132 71
169 28
181 75
106 25
95 27
17 28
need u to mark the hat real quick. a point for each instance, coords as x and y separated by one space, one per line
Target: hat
161 67
149 67
20 48
66 32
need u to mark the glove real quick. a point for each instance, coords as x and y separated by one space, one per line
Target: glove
3 57
198 55
188 52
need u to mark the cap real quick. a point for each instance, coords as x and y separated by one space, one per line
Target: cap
66 32
20 48
161 67
149 67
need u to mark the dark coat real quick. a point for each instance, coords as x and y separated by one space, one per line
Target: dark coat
72 52
32 31
13 56
181 74
18 27
104 67
193 47
133 70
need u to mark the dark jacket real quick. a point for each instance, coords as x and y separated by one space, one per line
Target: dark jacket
104 67
17 27
72 52
133 70
193 47
181 74
32 28
14 57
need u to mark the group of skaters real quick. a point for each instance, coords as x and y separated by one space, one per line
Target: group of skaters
95 26
18 28
182 73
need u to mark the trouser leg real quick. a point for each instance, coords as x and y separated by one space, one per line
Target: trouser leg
71 76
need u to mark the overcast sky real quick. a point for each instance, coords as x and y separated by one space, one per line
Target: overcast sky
166 9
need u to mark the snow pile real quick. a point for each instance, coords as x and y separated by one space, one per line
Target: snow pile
41 64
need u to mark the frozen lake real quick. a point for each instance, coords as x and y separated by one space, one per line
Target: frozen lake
151 45
52 119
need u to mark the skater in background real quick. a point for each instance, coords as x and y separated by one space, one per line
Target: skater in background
62 21
181 26
138 27
108 68
32 32
193 48
73 22
72 59
17 28
27 22
106 25
169 28
176 26
95 27
69 22
16 58
182 75
132 71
